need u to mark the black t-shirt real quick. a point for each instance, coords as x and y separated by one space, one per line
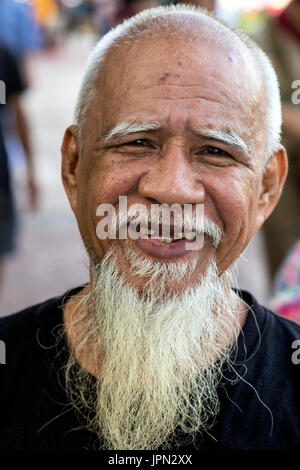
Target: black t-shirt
10 75
261 411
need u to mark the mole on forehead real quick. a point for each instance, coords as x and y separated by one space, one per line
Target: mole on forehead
177 72
164 78
119 69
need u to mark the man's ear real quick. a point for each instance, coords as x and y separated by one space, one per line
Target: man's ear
70 158
272 184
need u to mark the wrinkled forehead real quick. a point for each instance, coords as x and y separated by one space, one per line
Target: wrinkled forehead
226 71
219 64
173 60
222 54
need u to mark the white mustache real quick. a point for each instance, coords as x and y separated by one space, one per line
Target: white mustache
191 223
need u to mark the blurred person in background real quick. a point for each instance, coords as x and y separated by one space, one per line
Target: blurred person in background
280 39
210 5
77 13
21 38
45 11
7 219
128 8
286 296
19 32
14 87
46 14
106 14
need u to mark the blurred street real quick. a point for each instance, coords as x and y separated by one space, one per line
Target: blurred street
50 257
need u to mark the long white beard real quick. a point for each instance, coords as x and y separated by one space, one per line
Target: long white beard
161 358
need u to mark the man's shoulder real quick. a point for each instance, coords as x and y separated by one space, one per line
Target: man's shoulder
283 338
29 339
27 319
283 326
27 335
268 318
271 336
44 314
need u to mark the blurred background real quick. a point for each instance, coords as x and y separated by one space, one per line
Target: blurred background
44 45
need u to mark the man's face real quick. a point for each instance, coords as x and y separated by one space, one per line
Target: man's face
188 90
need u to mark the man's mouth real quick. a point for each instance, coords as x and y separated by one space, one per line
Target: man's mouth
153 243
175 236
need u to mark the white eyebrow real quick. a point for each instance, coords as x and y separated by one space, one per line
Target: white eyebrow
228 137
125 128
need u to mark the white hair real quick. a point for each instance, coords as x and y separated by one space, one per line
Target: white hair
168 20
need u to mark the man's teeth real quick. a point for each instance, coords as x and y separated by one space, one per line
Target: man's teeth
187 235
164 240
177 236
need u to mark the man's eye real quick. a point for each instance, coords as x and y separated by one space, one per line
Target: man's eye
138 143
215 151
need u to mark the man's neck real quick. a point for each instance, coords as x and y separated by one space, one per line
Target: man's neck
72 329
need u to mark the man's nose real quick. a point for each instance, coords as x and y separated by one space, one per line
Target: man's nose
172 179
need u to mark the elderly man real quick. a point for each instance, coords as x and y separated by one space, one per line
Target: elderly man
158 351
